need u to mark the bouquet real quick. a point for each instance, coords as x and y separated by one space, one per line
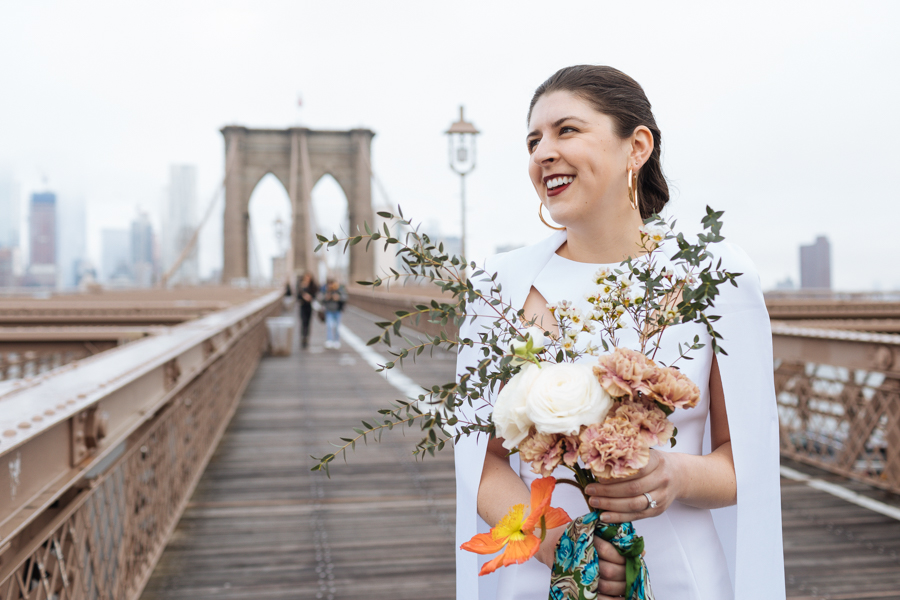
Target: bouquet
593 409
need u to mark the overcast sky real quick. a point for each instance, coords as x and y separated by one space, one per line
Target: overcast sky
784 114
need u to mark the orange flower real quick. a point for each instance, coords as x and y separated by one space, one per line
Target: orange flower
516 532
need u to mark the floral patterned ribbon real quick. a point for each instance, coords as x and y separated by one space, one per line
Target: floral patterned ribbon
576 568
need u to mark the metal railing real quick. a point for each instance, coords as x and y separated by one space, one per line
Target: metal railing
100 457
839 401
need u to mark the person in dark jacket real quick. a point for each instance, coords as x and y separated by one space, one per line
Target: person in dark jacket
306 294
333 298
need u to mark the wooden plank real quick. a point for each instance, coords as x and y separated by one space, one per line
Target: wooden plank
261 525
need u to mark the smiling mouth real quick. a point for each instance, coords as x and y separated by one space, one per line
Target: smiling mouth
558 184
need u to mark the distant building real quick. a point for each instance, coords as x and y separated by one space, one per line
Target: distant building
142 255
7 268
116 259
72 235
785 284
10 214
42 234
179 222
815 265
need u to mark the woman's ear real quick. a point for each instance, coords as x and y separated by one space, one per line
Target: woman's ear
641 145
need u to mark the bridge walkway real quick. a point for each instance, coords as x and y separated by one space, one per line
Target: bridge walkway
261 525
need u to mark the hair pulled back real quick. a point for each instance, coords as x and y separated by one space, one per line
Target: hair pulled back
620 97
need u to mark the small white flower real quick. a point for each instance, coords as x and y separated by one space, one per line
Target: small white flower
601 275
591 350
567 344
589 326
605 306
620 323
620 309
571 334
635 295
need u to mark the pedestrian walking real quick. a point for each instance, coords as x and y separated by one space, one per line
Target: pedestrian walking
306 297
333 298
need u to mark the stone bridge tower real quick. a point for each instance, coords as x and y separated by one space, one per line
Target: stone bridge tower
298 157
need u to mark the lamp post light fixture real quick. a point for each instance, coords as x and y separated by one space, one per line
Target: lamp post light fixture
461 136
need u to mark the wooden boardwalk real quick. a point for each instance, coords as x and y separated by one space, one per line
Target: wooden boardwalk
262 526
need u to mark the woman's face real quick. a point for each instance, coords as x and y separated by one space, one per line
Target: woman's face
578 165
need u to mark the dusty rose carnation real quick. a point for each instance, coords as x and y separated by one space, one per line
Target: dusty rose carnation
614 448
673 388
624 372
655 429
546 451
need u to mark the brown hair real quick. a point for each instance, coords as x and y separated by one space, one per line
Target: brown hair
621 98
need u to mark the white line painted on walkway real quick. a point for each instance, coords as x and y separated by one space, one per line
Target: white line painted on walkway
401 382
842 493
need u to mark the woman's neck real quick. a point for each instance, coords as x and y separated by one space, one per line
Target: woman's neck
603 241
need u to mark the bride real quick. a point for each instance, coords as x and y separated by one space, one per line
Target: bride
709 509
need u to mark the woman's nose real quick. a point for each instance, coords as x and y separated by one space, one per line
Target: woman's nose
545 152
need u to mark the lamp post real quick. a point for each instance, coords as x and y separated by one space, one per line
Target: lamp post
461 136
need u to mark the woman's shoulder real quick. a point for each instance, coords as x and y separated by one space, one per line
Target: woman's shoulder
747 294
524 255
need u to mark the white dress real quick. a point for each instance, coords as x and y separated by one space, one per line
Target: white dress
684 555
733 552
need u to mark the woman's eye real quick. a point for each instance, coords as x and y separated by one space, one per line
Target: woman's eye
532 144
567 129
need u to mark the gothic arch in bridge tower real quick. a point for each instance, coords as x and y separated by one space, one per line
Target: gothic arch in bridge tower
298 157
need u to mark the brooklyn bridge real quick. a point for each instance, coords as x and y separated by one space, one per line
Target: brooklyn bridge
156 444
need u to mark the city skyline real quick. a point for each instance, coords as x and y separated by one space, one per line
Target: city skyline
762 131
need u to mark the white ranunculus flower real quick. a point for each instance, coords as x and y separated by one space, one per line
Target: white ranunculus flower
565 396
536 334
510 416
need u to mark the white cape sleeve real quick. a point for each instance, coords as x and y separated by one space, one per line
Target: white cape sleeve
469 454
750 531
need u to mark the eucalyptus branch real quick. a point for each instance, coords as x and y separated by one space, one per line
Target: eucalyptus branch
654 298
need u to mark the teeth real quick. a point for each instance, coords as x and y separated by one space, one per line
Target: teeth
558 181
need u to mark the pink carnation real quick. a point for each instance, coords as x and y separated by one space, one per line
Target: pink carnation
614 448
655 429
673 388
545 451
624 372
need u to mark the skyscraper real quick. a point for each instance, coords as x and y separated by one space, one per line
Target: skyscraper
143 263
815 265
72 236
42 225
116 261
10 213
179 223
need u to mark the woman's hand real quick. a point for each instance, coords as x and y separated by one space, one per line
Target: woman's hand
623 500
612 564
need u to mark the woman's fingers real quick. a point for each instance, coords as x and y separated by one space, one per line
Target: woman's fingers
611 564
607 552
621 505
611 589
623 489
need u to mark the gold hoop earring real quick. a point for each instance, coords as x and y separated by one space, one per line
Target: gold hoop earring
632 189
541 217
